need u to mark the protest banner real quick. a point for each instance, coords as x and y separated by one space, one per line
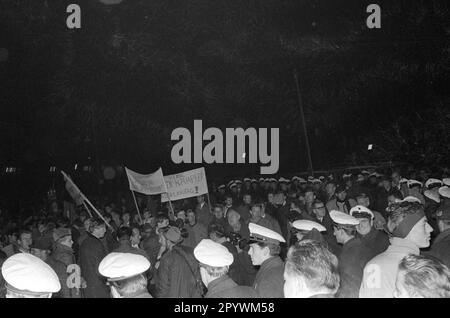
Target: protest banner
148 184
185 185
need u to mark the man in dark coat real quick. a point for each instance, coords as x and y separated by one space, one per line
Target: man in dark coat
441 245
354 256
202 210
244 208
62 260
92 251
376 240
178 274
264 251
215 260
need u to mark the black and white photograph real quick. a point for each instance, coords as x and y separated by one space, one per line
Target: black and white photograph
208 149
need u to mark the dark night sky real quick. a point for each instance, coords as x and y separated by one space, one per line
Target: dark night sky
115 89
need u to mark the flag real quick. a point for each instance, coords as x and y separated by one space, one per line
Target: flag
152 183
185 185
73 190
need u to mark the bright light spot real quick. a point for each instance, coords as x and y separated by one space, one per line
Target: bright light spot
243 155
370 147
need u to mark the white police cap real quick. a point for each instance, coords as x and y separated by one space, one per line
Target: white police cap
28 274
432 196
263 234
411 199
213 254
118 266
444 191
431 181
360 211
413 182
307 225
342 218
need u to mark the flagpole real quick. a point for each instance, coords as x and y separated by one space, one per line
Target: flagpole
85 199
96 211
137 207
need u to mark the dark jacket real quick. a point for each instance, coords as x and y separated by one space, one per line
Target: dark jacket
151 247
178 275
376 240
60 259
281 216
244 212
329 237
269 281
92 251
225 287
196 233
203 214
352 260
441 247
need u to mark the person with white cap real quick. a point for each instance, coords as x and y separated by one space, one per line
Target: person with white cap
215 261
264 252
433 184
308 230
376 240
410 232
379 220
27 276
353 257
125 274
441 244
414 190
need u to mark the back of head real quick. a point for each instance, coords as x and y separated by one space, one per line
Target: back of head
424 277
312 261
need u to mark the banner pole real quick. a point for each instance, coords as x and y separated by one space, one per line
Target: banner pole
209 203
137 207
172 216
87 209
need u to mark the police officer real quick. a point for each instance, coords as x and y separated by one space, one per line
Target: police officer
125 274
215 261
354 256
264 250
308 230
375 239
27 276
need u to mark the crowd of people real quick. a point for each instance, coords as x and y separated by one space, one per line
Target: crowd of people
378 233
